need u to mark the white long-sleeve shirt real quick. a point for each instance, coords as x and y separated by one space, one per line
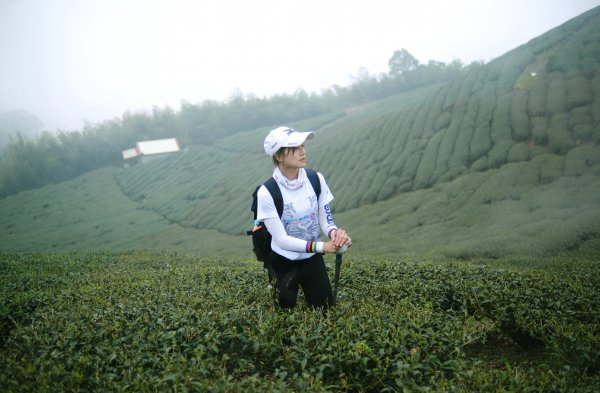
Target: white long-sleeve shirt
296 235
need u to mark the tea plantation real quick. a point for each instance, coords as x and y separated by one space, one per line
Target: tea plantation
474 210
503 160
162 321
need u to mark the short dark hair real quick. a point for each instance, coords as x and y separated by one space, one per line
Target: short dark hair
278 153
283 151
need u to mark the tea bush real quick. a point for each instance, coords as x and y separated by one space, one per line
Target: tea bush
161 321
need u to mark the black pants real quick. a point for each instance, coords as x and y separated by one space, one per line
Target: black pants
310 274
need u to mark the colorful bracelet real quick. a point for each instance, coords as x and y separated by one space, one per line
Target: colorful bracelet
311 247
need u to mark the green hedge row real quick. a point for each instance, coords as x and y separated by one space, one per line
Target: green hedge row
158 321
514 109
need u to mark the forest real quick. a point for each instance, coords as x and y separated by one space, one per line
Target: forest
28 163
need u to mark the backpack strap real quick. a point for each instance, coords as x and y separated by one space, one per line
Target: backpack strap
275 192
313 177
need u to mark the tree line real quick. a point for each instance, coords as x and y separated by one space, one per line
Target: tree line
53 157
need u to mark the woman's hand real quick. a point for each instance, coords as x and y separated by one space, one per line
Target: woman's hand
338 239
330 247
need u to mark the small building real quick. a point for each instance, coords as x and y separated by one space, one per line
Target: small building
148 150
130 153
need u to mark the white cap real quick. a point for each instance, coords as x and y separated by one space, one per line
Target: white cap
285 137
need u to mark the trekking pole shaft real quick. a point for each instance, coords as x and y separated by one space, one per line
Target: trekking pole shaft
336 277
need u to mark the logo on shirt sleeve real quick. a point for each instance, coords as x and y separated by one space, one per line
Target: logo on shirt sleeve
328 214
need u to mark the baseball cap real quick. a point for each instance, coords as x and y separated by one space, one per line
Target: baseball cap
285 137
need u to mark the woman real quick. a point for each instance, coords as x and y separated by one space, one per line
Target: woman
296 258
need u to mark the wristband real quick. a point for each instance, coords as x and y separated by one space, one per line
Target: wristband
311 247
320 247
331 230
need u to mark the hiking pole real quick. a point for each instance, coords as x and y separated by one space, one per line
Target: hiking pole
338 267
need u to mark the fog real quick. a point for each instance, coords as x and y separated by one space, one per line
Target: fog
69 62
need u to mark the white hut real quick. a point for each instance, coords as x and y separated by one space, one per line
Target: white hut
147 150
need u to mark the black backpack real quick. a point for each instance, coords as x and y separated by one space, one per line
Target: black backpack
261 238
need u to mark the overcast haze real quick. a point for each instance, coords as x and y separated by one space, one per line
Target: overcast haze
66 61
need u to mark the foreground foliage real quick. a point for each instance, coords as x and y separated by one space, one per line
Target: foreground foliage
157 321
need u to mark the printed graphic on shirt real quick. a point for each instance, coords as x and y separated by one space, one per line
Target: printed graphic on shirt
301 218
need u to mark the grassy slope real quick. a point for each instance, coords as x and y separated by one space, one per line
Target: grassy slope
90 212
503 162
463 219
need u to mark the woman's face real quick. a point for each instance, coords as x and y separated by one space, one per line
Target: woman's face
293 157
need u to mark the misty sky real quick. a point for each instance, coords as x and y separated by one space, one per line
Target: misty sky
67 61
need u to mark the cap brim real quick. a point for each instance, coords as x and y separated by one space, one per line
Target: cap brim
297 138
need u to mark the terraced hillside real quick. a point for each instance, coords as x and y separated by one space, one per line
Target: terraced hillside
535 105
505 160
